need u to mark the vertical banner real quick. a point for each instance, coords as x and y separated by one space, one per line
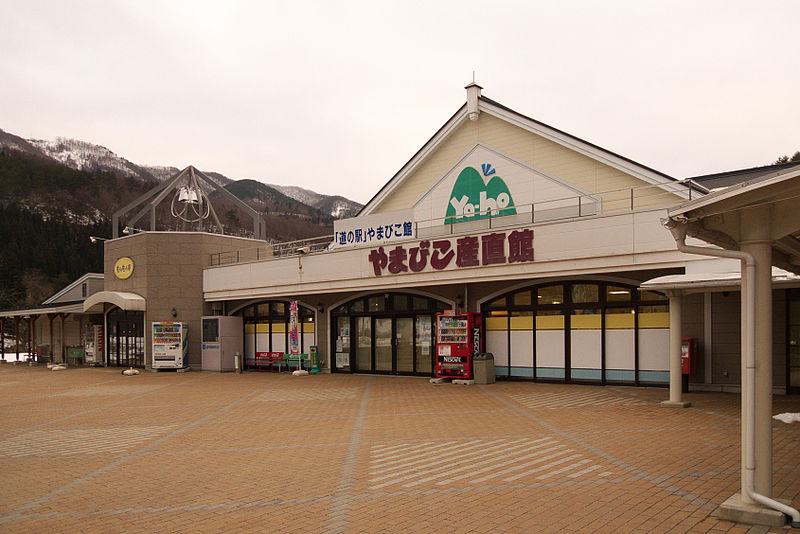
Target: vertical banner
294 338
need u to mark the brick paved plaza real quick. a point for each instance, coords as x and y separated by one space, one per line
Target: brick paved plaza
90 450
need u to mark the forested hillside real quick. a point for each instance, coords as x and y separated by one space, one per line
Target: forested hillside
49 210
47 213
38 257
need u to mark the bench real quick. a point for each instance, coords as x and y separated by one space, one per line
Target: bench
271 359
263 359
291 360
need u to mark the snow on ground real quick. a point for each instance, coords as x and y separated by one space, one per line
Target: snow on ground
11 356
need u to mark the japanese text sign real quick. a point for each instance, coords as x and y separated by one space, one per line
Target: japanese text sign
459 252
375 229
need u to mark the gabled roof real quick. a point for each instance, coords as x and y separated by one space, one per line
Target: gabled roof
44 309
555 135
728 178
73 285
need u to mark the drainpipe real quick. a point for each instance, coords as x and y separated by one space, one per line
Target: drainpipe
749 268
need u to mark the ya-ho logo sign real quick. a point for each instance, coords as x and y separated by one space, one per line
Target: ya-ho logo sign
479 195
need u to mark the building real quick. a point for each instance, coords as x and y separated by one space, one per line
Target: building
584 266
548 236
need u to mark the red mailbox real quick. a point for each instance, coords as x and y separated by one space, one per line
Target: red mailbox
688 355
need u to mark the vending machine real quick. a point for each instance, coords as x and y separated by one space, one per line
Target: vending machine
458 339
94 347
170 345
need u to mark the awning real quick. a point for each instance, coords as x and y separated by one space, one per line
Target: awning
122 299
702 282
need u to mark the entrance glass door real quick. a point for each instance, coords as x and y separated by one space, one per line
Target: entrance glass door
383 344
404 343
424 339
125 339
363 336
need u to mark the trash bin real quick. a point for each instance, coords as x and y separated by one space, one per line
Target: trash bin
483 368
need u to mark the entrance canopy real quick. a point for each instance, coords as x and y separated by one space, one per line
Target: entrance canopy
760 220
122 299
718 217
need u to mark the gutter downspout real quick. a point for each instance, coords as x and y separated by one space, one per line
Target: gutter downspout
678 231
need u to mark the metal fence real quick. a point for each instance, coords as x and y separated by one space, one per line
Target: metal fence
617 201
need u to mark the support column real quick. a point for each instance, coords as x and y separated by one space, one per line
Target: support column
62 344
31 338
708 339
762 476
756 224
52 316
16 335
675 378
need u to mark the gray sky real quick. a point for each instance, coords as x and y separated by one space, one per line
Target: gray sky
337 96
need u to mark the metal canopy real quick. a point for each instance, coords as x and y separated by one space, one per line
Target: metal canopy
192 178
122 299
717 217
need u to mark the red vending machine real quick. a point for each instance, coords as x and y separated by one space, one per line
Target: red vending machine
458 339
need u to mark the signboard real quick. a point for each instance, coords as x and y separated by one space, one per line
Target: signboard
478 195
294 338
123 268
377 229
456 252
487 183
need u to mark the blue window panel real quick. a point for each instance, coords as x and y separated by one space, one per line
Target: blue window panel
527 372
654 376
621 375
549 372
586 374
500 370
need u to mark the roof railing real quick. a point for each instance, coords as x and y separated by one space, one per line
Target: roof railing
612 202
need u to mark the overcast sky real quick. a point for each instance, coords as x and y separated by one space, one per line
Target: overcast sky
336 96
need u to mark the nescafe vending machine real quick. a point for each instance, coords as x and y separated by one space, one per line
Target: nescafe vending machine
458 339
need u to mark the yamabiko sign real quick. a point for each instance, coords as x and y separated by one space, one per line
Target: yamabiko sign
478 195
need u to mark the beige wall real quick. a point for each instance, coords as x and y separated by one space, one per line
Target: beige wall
572 167
726 338
168 273
72 335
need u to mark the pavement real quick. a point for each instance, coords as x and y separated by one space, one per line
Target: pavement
91 450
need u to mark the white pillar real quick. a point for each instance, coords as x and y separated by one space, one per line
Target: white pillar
675 377
756 223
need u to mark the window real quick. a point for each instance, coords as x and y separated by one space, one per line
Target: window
585 293
550 295
618 294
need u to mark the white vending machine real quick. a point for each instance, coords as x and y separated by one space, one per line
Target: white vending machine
222 339
95 353
170 345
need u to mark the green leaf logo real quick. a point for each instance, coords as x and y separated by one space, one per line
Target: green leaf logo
473 199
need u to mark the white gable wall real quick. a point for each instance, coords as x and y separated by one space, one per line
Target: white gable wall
570 167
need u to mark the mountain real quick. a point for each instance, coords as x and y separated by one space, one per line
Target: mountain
165 173
54 195
15 142
81 155
336 206
87 156
48 211
287 219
